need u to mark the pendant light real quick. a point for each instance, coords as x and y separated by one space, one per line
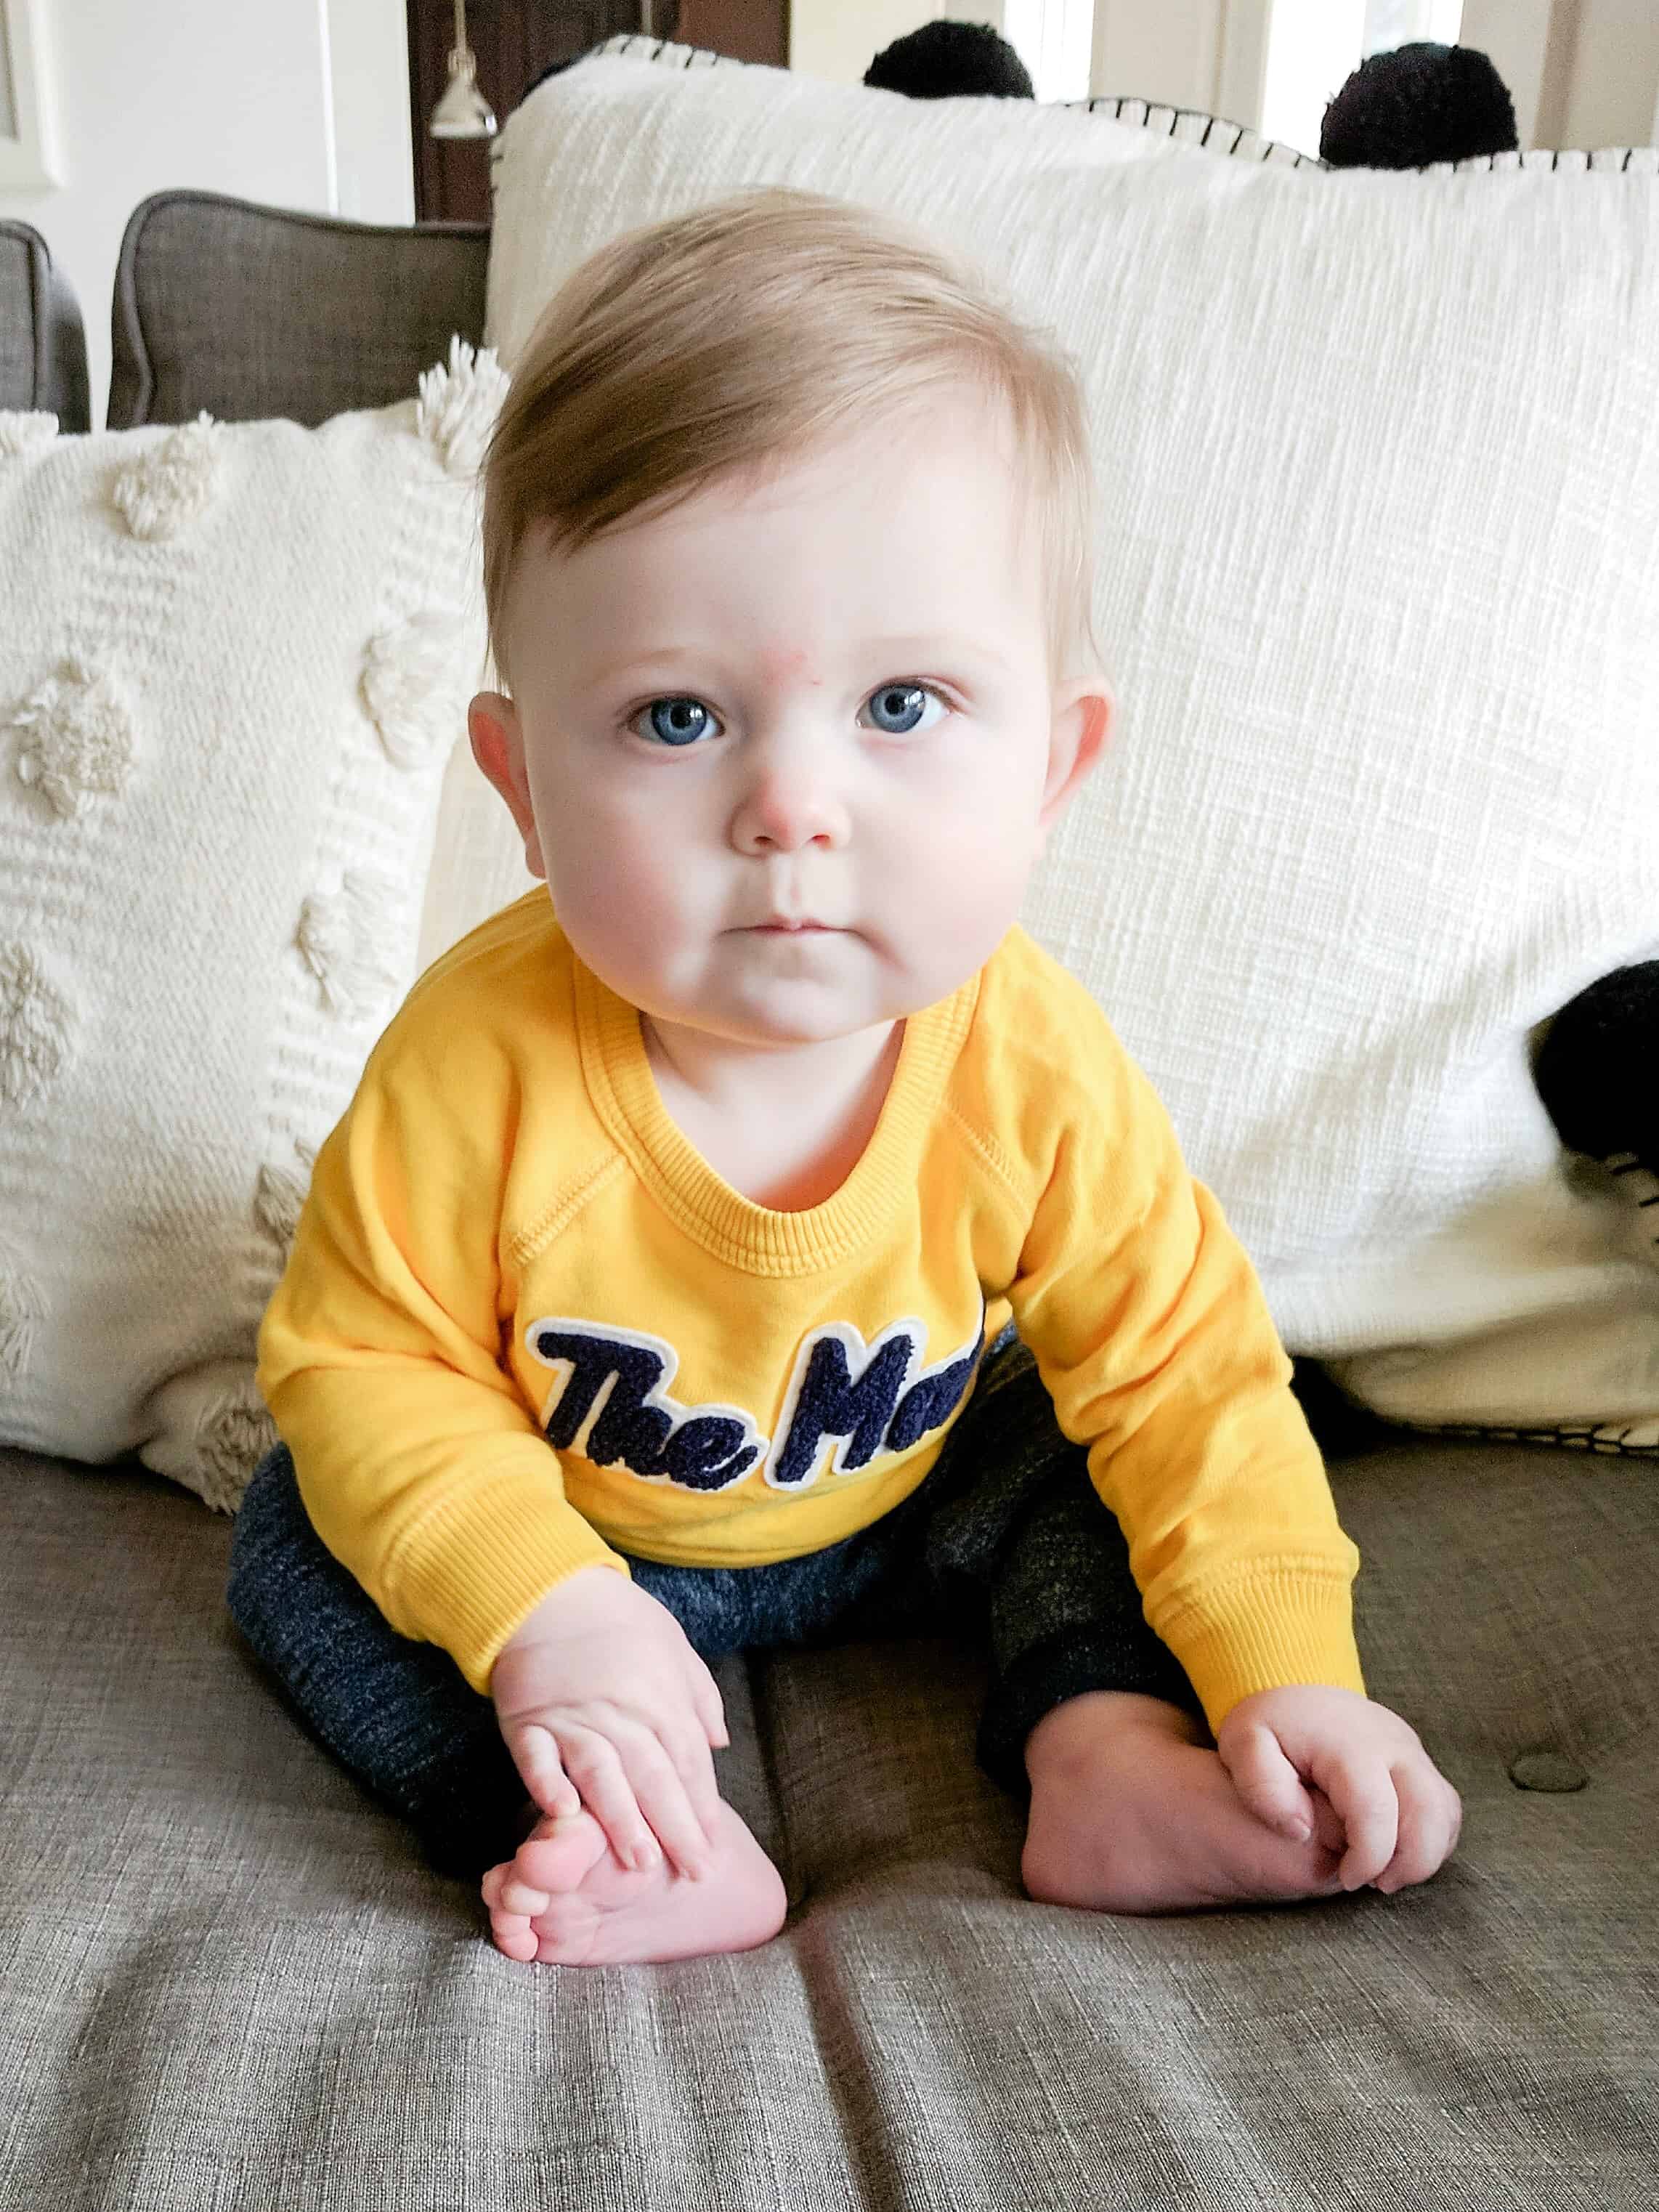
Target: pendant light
463 112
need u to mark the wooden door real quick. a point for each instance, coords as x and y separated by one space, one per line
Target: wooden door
748 30
517 41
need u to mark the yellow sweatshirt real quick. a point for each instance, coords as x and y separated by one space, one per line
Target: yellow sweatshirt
523 1322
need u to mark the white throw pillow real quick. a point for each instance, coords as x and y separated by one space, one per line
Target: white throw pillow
234 663
1378 457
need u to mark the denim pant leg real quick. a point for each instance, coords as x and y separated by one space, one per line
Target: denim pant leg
400 1715
1022 1545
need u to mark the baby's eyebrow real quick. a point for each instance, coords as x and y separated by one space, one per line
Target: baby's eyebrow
932 646
634 664
888 657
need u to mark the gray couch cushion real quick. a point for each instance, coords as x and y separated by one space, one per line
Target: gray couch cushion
226 1979
43 345
256 312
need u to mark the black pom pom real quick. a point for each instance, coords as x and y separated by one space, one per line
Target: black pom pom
1598 1072
951 61
1419 104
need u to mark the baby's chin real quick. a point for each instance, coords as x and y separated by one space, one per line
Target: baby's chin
780 1016
773 1028
779 996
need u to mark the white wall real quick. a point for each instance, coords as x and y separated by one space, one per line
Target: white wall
1170 54
1514 34
1613 74
369 48
840 39
298 103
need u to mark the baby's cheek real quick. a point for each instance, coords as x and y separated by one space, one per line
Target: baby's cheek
623 903
980 859
956 917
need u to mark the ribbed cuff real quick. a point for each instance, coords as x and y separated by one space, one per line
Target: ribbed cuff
477 1565
1278 1626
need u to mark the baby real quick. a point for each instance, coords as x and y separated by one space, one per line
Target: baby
755 1230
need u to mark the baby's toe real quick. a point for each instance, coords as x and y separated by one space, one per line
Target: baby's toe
506 1891
559 1854
513 1936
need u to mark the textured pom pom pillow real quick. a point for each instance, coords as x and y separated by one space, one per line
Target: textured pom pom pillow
1378 457
233 667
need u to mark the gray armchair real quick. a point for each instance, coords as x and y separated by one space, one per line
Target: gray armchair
43 343
295 319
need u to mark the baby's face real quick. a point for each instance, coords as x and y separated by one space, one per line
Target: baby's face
785 753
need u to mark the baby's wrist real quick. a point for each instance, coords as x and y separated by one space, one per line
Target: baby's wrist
552 1612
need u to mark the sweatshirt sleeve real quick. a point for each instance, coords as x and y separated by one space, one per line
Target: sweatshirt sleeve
420 1465
1151 1330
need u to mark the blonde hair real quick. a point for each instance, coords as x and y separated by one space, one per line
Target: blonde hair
722 341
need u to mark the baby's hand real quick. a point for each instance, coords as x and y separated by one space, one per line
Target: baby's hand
1399 1812
603 1703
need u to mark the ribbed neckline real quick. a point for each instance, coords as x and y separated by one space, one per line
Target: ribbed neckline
755 1238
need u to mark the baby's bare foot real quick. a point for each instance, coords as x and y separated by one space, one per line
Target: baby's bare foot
1130 1812
565 1899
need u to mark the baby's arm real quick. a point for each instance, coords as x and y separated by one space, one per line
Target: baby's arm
425 1472
1153 1337
604 1703
421 1465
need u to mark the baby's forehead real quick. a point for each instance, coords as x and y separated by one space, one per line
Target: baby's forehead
776 664
945 471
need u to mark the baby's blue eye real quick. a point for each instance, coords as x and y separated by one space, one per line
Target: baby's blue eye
897 708
674 721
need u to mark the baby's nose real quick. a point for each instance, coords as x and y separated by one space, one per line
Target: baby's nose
790 802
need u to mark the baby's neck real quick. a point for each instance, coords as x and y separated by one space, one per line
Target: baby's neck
785 1126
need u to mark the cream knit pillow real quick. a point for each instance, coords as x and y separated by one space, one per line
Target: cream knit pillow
1379 466
234 663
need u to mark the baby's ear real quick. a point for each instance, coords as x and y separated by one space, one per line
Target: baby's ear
1083 710
492 729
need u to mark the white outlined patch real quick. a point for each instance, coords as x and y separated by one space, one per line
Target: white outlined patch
859 1409
611 1404
624 1411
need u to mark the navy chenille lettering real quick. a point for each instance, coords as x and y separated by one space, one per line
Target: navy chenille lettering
869 1411
709 1451
930 1402
616 1381
594 1361
612 1406
830 1402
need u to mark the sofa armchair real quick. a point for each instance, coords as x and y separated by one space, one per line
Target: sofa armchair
43 344
227 1978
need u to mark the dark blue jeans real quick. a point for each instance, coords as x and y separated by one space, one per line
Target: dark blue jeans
1005 1538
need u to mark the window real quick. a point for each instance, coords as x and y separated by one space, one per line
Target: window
1315 46
1055 39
